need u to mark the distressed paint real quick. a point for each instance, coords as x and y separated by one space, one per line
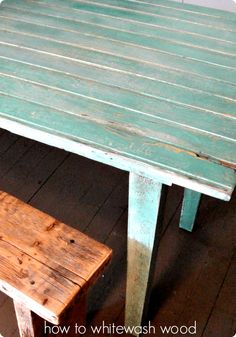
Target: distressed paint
175 165
85 84
113 159
143 12
189 209
195 56
89 23
144 200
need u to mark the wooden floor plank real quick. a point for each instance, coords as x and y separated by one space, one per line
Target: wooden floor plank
110 212
81 191
216 224
110 290
17 149
31 171
192 273
222 321
7 140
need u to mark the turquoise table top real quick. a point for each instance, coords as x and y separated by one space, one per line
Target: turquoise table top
150 85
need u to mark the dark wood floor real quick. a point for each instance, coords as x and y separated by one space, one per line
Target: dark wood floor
195 273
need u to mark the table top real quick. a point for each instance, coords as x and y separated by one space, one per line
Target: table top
147 86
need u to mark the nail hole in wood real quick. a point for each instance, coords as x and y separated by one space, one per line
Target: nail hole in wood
45 301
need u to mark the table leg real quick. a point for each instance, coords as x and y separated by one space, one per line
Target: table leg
189 209
144 200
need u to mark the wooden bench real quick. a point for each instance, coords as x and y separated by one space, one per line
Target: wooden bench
46 266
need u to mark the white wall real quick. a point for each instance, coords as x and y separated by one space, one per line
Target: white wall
227 5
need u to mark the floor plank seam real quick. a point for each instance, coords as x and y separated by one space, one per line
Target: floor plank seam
48 178
119 218
6 150
18 159
218 294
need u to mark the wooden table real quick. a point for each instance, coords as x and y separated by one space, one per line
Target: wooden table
145 86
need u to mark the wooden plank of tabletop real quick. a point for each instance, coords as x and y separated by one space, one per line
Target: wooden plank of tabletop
186 8
218 58
147 14
61 91
112 94
127 57
151 6
218 103
119 142
224 14
164 26
138 33
134 77
141 10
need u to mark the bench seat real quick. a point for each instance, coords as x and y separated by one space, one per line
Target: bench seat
44 263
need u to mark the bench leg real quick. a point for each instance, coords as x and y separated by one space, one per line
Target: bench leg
189 209
29 324
144 199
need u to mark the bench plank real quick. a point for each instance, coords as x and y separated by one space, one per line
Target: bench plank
39 285
48 282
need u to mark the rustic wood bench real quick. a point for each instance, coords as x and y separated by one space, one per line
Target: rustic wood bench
46 267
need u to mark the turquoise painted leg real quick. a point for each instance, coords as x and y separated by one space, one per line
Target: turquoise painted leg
144 200
189 209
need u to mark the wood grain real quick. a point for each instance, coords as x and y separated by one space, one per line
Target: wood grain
178 267
45 263
144 200
27 321
148 82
